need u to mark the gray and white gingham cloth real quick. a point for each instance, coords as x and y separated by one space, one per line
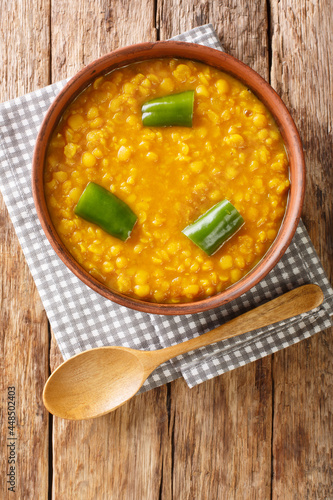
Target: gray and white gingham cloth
81 319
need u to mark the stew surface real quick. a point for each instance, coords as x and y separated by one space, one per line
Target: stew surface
168 176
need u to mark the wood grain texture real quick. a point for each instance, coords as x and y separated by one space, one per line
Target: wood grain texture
24 49
222 431
221 435
303 378
121 455
224 438
83 30
241 26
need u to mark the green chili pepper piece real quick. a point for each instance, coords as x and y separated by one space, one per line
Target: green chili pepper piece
174 109
215 227
103 208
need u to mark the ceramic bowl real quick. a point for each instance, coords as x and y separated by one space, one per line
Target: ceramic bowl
226 63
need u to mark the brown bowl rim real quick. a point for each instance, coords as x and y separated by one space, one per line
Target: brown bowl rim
227 63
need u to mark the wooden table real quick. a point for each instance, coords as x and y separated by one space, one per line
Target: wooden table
262 431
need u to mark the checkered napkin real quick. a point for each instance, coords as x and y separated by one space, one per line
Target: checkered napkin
81 319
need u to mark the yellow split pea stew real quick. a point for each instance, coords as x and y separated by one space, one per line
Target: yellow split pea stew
167 176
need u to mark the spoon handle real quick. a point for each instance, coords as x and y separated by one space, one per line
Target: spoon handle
293 303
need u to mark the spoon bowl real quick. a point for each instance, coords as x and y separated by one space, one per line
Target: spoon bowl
100 380
71 392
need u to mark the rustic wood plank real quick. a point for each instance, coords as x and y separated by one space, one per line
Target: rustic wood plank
221 435
241 27
221 430
178 452
99 27
303 377
24 48
122 455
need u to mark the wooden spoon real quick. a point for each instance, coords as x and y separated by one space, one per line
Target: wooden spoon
100 380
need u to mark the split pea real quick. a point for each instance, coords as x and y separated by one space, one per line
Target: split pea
124 153
142 290
88 159
226 262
